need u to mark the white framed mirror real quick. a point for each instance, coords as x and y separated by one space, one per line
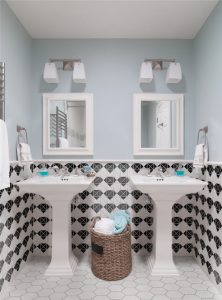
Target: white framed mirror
158 124
67 124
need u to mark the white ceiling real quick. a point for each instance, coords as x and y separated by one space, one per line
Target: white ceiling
155 19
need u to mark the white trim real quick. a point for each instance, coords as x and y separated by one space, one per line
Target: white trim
109 160
117 160
137 149
214 163
88 98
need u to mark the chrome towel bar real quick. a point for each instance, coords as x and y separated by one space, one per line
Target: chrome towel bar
203 130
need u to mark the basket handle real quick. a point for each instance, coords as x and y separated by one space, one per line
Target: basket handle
94 221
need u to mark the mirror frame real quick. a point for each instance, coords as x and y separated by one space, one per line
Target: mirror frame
88 98
137 101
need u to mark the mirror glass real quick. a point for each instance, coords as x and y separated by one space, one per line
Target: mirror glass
158 124
67 124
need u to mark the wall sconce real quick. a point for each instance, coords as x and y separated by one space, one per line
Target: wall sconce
79 75
50 73
146 72
173 75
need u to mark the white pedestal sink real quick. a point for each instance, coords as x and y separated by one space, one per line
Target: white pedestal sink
164 193
60 194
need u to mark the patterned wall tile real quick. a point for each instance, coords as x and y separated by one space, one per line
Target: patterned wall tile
111 190
15 227
26 220
207 220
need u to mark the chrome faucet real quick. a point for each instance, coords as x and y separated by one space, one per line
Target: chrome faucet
160 172
64 172
56 170
76 173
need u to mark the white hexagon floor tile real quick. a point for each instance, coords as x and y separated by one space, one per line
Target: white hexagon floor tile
30 283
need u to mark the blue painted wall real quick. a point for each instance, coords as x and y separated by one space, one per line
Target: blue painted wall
0 30
112 75
16 52
112 68
208 81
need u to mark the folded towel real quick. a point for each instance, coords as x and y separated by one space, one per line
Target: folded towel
104 226
63 143
121 218
201 156
24 152
205 154
4 157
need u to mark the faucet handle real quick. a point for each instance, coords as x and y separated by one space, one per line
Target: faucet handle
160 169
56 169
43 165
148 171
65 170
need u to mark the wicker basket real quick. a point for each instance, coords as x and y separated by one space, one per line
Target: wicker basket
111 257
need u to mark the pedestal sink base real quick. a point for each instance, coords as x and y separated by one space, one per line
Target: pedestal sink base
63 261
158 270
161 261
59 193
164 192
62 270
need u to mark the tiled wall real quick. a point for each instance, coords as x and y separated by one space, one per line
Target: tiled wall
15 227
25 221
207 218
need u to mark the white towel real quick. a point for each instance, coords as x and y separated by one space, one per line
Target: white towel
104 226
4 157
24 152
63 143
201 156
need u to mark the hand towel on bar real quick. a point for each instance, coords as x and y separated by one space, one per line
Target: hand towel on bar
121 218
205 154
24 152
4 157
201 156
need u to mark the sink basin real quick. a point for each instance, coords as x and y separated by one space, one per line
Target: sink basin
157 187
59 192
51 185
164 192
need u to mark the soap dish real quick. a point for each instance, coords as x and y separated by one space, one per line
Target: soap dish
43 173
180 172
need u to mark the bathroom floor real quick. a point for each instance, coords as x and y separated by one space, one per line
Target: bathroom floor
31 283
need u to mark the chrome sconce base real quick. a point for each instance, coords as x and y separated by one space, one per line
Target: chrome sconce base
160 64
50 74
67 64
173 74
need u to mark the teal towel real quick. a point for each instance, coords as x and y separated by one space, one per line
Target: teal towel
121 218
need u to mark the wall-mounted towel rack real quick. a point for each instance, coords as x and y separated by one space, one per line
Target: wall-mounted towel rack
203 130
2 91
20 131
